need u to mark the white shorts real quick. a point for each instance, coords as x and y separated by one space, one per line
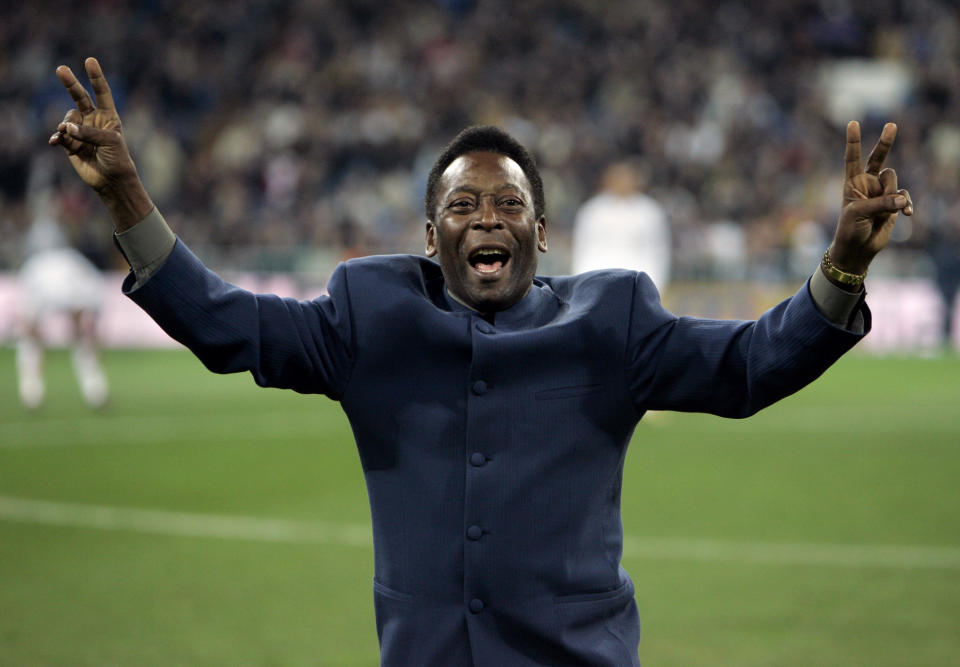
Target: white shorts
59 280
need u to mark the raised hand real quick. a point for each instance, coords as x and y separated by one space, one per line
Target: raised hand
871 203
92 136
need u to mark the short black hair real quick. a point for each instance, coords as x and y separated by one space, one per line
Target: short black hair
486 139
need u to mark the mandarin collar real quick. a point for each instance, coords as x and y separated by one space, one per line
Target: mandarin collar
537 307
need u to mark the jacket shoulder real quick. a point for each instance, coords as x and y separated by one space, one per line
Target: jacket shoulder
386 276
605 281
395 265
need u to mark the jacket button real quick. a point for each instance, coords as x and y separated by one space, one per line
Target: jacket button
477 459
474 532
485 328
476 606
479 387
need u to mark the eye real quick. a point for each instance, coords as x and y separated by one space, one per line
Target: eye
461 205
511 202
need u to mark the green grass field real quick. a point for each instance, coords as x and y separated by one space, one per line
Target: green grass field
200 520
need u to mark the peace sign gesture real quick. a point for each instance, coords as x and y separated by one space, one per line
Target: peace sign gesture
92 136
871 202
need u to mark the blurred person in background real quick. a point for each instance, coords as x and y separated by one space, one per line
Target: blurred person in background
57 280
491 408
939 233
945 253
622 228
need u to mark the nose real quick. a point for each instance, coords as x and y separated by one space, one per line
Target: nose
486 216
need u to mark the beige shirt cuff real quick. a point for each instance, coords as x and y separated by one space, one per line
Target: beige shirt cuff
837 305
147 245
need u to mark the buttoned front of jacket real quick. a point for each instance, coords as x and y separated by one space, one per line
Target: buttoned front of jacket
493 451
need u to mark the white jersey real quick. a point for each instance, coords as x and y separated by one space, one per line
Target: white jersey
632 232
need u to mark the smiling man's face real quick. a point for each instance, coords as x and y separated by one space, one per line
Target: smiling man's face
486 235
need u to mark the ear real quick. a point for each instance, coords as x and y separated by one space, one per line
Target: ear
542 234
431 239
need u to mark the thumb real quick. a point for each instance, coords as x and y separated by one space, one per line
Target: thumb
868 208
89 134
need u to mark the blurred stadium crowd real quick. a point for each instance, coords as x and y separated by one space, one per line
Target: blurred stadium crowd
288 135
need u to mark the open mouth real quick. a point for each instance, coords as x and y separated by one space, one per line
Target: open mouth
488 260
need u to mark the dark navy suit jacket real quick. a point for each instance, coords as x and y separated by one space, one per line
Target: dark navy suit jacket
493 452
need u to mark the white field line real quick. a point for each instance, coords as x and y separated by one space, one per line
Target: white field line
141 429
183 524
256 529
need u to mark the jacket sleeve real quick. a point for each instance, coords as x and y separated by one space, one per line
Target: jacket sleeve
282 342
730 368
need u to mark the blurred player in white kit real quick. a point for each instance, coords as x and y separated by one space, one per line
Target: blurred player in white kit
622 228
56 278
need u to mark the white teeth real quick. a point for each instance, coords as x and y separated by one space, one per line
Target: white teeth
488 252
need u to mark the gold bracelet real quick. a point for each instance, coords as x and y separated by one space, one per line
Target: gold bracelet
852 279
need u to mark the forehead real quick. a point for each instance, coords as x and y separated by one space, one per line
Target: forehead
483 170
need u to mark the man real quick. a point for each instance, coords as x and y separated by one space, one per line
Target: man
491 409
621 227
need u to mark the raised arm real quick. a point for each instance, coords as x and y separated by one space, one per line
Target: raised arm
92 136
871 203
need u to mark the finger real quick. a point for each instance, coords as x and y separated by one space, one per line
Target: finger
879 152
908 209
854 164
75 88
888 180
71 145
73 116
101 90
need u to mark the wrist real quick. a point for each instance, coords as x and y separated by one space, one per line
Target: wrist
127 201
851 281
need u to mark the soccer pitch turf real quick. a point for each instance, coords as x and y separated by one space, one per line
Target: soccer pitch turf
201 520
